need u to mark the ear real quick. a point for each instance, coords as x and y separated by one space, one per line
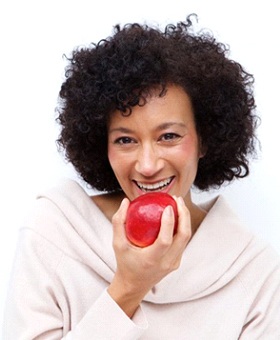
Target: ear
202 149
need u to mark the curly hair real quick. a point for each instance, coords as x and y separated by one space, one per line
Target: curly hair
119 72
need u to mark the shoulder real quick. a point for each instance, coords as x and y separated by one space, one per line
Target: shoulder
65 198
66 216
67 191
223 232
59 209
223 224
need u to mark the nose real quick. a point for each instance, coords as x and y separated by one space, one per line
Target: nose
149 161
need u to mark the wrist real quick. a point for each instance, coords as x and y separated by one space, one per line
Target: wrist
127 296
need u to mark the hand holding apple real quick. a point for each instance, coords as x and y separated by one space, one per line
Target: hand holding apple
144 217
138 270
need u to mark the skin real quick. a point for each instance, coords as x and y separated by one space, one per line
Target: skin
158 147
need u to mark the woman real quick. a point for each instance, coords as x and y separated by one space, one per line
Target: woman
147 110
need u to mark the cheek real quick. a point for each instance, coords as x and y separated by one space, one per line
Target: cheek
187 150
117 160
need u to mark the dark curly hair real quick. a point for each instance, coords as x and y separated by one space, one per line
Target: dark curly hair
122 70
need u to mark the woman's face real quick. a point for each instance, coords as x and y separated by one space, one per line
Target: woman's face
156 148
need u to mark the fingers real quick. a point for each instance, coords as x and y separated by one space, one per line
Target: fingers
165 236
118 222
168 248
150 264
168 223
184 230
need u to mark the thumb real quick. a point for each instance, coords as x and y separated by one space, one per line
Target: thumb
118 220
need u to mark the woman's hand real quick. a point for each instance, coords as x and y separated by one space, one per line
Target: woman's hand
139 269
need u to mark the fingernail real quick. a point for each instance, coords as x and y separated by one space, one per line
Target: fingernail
123 202
181 201
169 210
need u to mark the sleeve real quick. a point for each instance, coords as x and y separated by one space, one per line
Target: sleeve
105 320
263 320
33 306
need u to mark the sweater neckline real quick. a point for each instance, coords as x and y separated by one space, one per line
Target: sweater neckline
209 260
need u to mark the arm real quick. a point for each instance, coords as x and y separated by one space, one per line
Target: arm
36 302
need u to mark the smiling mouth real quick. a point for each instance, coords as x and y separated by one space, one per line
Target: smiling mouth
155 186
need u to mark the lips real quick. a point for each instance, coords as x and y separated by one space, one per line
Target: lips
147 187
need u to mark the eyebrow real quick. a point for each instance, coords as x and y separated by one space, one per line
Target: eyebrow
160 127
120 129
167 125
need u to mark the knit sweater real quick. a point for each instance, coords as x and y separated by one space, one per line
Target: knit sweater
227 286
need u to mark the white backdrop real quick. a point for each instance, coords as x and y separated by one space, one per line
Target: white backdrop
35 35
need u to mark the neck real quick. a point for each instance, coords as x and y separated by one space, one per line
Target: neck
197 214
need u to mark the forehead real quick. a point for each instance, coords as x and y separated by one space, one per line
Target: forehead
174 106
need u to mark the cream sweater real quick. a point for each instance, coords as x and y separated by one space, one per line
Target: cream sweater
227 287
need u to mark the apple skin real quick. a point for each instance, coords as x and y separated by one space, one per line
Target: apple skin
144 217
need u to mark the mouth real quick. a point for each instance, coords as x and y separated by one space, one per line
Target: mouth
159 186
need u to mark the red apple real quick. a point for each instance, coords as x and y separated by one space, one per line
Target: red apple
144 217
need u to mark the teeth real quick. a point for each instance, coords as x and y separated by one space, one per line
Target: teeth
155 186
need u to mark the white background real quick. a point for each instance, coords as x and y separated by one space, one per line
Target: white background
35 35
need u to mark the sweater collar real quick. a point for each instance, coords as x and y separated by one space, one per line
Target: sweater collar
208 263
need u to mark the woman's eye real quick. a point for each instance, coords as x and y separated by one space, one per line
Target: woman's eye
124 140
169 136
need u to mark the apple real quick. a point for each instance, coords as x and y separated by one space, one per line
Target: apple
144 217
